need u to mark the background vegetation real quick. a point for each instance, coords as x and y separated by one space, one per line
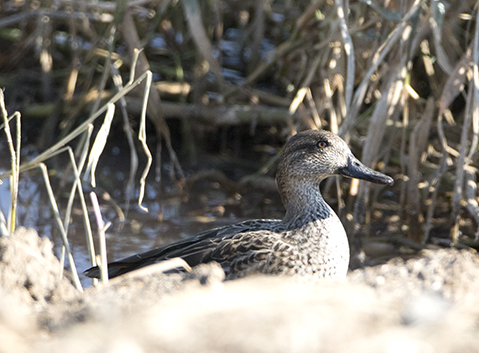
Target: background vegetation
233 78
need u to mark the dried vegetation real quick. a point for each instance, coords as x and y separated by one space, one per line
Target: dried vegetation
397 79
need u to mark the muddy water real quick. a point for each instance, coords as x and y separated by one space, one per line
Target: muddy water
207 204
139 232
182 215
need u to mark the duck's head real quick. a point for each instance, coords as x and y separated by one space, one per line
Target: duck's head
311 156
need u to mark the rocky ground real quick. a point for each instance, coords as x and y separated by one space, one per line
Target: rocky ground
425 304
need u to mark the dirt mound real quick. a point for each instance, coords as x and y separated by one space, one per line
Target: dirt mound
450 273
30 271
424 304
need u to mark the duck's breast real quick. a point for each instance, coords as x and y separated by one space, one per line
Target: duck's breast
317 250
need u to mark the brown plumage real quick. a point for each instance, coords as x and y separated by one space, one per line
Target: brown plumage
310 241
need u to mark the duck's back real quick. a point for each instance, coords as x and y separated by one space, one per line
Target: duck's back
212 245
310 251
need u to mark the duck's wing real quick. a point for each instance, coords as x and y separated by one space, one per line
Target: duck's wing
212 245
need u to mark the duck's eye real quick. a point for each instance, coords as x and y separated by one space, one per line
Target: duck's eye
322 144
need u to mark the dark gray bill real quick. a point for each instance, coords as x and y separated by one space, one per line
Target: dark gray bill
355 169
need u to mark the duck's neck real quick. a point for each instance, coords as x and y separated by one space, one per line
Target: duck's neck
304 203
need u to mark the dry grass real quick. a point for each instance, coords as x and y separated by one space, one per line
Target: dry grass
397 79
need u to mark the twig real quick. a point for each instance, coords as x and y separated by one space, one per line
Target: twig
79 130
470 193
77 186
349 50
129 136
307 15
417 145
472 109
142 138
198 33
401 30
475 111
224 115
103 263
163 266
437 19
434 183
461 163
154 108
15 162
99 144
66 243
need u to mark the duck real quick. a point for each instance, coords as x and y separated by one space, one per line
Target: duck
309 243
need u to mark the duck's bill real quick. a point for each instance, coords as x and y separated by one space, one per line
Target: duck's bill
355 169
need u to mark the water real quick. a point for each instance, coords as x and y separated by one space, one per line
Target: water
182 215
205 205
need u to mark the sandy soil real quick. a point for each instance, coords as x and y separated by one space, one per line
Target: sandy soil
425 304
